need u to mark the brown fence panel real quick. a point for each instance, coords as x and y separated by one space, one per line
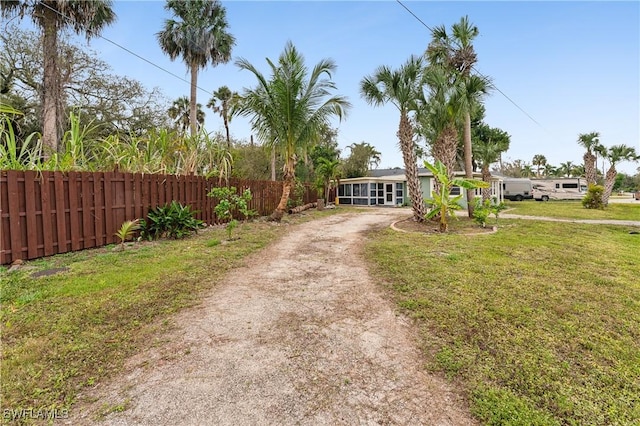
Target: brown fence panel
53 212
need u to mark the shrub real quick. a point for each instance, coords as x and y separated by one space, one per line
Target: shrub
481 212
593 199
172 220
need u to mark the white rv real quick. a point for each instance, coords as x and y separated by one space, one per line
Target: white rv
517 189
559 189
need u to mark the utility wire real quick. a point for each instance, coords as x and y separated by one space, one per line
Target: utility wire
475 69
126 49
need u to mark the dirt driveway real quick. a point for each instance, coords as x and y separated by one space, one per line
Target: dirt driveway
300 335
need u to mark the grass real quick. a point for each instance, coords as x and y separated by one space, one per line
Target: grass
70 330
537 326
574 210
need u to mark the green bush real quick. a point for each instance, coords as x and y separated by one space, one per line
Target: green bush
172 221
593 199
481 212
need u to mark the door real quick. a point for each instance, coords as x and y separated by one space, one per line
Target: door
388 194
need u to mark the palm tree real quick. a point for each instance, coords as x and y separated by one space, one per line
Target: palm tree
180 113
549 170
590 142
488 145
566 169
328 171
400 87
527 171
439 115
224 108
456 52
52 16
539 161
200 37
290 109
616 154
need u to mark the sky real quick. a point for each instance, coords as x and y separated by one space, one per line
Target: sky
561 68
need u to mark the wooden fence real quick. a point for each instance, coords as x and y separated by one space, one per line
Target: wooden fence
46 213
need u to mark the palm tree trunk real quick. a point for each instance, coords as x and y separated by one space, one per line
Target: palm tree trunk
486 177
590 168
226 127
287 184
405 134
610 180
51 86
468 162
445 147
193 118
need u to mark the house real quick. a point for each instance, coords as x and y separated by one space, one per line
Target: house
388 187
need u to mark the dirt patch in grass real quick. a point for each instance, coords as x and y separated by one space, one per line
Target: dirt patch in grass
461 226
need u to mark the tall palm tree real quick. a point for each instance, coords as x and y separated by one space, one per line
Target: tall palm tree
52 16
400 87
590 142
539 161
290 109
199 36
615 155
488 145
455 51
180 113
527 171
224 107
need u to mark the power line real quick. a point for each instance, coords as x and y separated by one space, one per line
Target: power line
475 69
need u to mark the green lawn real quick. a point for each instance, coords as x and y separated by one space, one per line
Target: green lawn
66 331
540 322
574 210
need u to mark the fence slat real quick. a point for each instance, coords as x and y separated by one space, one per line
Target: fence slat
98 209
87 222
14 216
74 215
108 207
31 214
61 213
47 223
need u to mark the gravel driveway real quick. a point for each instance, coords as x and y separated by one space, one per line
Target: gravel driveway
301 335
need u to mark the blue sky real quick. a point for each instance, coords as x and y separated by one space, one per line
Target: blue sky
572 66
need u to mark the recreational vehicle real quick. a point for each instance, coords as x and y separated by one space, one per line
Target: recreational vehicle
517 189
559 189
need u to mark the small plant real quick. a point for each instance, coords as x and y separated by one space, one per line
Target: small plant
127 231
229 200
481 212
593 199
441 203
231 225
172 221
495 209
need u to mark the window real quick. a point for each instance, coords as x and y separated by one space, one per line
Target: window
356 190
341 190
570 186
455 191
557 186
347 190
